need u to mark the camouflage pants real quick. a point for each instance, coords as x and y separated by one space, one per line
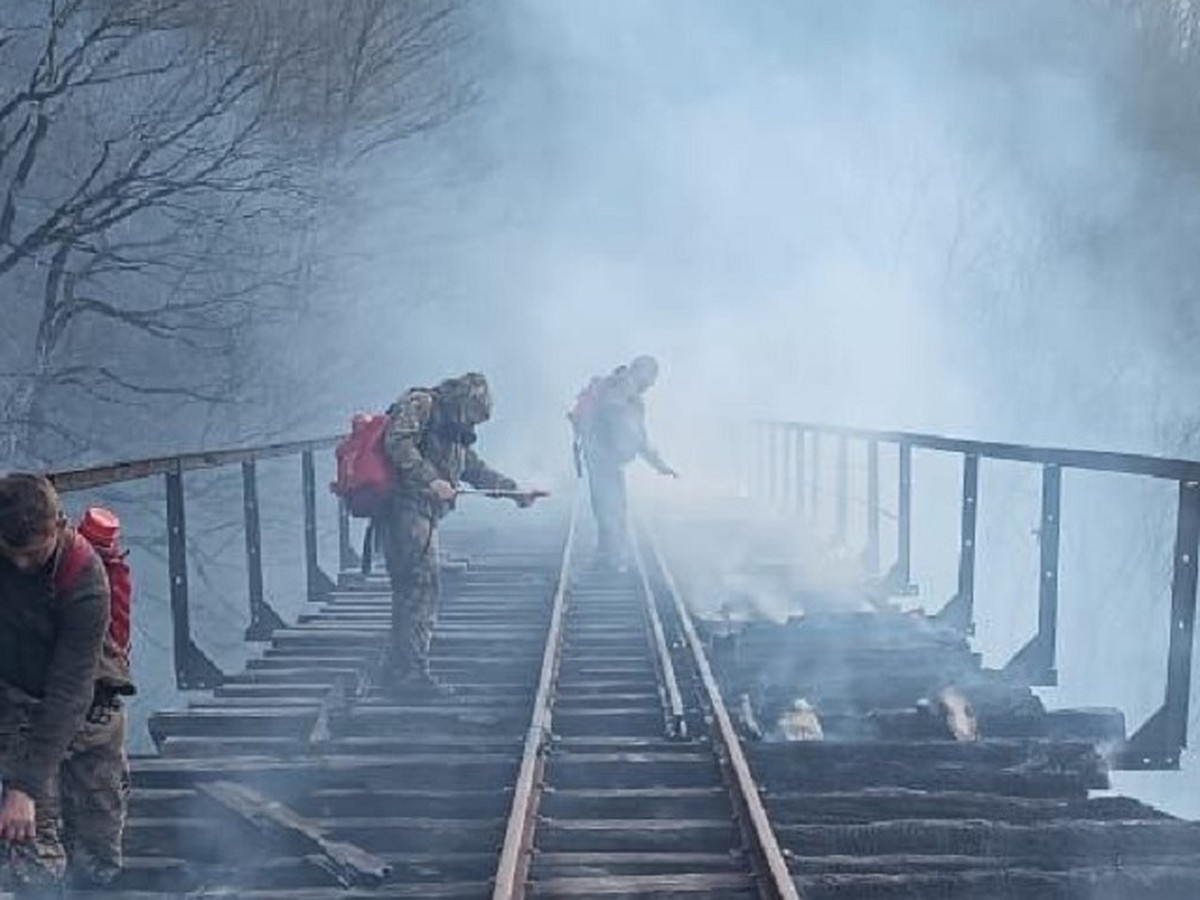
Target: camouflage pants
411 549
606 482
81 819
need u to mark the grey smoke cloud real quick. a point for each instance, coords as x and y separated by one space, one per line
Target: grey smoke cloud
931 215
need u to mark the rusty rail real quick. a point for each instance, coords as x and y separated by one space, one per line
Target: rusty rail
676 721
512 869
774 879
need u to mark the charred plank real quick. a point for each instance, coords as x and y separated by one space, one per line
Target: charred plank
349 864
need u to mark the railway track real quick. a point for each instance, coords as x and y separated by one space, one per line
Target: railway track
633 780
380 795
590 753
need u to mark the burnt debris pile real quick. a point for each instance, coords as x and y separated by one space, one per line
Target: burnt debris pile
894 764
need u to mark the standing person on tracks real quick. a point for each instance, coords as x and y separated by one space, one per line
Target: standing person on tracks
430 440
609 421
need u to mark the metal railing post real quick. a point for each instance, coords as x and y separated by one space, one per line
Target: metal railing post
1036 660
320 587
801 477
903 570
872 557
1183 617
772 441
814 512
263 619
193 670
1160 740
1048 590
787 468
960 611
843 489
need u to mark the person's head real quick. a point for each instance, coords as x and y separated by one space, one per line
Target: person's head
643 372
31 520
467 399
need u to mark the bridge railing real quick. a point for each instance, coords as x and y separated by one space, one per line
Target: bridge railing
194 670
790 470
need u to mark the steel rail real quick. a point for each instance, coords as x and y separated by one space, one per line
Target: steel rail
775 879
673 700
512 870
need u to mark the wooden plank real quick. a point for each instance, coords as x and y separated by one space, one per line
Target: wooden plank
270 692
957 767
574 864
216 746
1177 882
638 835
350 865
882 804
728 885
1031 755
418 802
418 891
1043 845
945 865
432 770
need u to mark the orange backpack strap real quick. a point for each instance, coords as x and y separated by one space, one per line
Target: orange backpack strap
74 560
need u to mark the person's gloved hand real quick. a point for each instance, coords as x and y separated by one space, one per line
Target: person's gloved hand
526 499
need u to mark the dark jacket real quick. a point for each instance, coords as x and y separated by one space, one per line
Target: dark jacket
50 648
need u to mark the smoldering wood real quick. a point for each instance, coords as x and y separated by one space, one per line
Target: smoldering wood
351 865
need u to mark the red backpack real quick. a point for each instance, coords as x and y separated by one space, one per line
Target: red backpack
582 414
99 532
365 475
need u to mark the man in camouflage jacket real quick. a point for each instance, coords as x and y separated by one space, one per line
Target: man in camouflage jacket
62 734
429 440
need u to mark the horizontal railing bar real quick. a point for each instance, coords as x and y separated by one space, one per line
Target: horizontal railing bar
1092 460
134 470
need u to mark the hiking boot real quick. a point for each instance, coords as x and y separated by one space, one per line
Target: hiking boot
437 687
93 874
419 682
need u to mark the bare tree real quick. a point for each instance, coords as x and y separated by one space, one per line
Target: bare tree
163 170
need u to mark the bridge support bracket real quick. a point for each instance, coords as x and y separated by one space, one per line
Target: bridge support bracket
1034 663
956 614
196 672
320 585
897 583
264 621
1149 748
